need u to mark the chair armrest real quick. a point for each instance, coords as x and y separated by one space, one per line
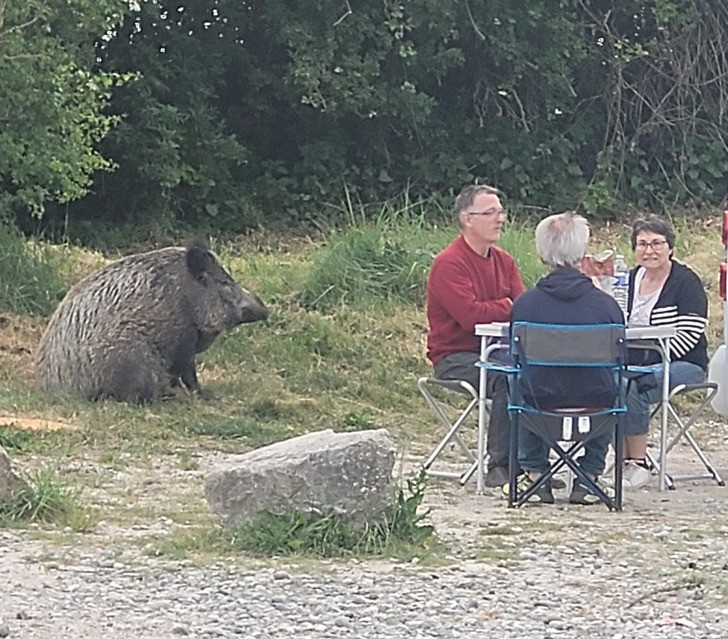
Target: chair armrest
497 365
635 371
687 388
498 368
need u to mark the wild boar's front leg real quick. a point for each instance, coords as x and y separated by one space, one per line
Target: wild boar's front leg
183 361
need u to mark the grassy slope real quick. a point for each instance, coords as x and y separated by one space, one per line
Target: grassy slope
318 362
349 361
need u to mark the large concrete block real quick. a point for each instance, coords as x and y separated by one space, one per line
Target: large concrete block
349 473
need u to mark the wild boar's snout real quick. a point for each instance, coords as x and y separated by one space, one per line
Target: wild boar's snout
252 309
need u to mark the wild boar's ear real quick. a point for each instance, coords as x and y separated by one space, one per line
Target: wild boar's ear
198 258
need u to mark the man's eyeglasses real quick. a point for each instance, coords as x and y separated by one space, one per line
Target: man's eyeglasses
488 213
655 245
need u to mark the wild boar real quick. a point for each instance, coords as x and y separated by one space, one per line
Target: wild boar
131 330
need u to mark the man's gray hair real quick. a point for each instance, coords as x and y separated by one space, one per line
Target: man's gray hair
561 239
465 198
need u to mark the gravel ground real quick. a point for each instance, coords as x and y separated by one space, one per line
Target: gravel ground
658 569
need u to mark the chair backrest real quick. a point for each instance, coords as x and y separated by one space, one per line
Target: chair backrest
584 362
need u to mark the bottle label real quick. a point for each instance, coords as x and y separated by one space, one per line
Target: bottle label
620 279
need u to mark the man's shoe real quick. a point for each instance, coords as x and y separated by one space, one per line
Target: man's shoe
542 496
635 475
496 476
583 495
557 483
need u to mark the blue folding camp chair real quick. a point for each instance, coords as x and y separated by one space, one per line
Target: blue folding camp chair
592 349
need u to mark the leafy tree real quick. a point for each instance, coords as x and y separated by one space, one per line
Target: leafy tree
239 107
387 96
51 100
176 159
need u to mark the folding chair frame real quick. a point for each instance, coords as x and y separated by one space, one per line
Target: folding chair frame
452 428
683 430
538 345
566 456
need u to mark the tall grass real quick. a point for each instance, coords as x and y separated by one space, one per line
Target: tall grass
370 261
31 274
388 258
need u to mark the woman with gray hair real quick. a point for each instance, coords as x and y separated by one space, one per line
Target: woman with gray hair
565 296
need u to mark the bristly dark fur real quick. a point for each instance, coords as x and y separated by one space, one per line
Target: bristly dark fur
131 330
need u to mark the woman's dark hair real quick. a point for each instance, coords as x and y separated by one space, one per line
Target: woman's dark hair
654 224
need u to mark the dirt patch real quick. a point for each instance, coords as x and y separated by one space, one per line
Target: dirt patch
27 423
19 337
459 513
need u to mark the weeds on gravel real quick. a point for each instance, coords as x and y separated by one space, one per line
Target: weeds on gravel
405 534
47 501
326 535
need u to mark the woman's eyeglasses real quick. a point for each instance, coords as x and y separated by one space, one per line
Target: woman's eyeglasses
655 245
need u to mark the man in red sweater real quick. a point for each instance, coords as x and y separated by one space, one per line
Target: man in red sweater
472 282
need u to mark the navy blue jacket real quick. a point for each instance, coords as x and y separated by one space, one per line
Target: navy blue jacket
566 296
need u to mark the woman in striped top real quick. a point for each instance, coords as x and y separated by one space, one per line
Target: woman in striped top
662 292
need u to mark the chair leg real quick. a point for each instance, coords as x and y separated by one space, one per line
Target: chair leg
713 473
655 465
566 458
683 430
452 433
452 429
513 463
618 466
465 477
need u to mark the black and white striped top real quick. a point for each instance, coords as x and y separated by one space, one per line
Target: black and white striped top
683 304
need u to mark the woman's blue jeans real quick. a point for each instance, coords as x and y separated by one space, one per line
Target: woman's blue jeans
639 405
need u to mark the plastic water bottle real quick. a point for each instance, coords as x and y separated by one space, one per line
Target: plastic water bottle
620 288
